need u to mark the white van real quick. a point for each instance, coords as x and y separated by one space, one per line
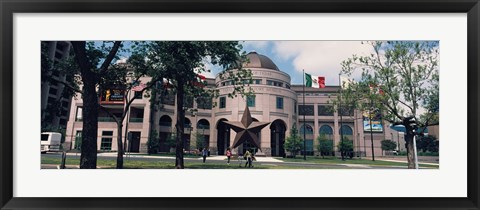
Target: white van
50 142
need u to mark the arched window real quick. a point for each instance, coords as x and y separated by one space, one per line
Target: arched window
326 130
165 120
308 129
203 124
187 123
346 130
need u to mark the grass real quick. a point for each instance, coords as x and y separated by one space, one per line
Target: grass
167 155
334 160
134 164
170 164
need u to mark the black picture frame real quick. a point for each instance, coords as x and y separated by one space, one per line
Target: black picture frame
10 7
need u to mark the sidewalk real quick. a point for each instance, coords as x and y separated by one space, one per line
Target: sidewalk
405 161
212 157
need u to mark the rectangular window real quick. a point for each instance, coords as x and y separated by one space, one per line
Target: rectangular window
106 140
295 107
52 91
78 140
274 83
223 102
251 101
325 110
204 103
305 110
79 116
138 94
279 102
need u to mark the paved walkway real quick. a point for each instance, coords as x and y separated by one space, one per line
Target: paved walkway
213 157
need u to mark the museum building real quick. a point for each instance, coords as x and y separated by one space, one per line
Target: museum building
276 101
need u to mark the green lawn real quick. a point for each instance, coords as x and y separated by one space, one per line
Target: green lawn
334 160
133 164
136 164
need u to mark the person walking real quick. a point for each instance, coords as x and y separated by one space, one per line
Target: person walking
248 155
229 155
204 154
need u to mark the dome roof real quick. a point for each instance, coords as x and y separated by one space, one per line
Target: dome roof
259 61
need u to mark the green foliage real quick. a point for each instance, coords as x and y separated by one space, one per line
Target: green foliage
428 144
153 142
398 77
325 145
171 140
388 145
345 146
200 141
294 142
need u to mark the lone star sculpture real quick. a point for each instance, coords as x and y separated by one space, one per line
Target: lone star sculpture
246 130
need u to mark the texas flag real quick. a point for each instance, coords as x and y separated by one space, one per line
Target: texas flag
314 81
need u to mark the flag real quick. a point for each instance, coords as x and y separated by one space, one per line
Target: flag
139 87
345 82
376 89
200 81
314 81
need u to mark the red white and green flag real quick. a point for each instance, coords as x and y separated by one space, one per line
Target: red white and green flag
314 81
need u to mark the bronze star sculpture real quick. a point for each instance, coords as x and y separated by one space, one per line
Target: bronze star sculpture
246 130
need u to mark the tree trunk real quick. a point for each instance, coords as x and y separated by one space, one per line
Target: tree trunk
180 125
410 151
120 146
88 157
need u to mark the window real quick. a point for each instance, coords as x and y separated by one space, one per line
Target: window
52 91
279 102
78 140
308 129
325 110
305 110
188 101
78 116
138 94
274 83
295 107
167 97
106 140
251 101
346 130
287 86
204 103
223 102
344 111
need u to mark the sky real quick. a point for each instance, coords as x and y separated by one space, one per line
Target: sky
319 58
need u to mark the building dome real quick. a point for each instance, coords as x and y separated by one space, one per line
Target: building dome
259 61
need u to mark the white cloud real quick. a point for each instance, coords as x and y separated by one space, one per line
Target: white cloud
321 58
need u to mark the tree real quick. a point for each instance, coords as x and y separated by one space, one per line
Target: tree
428 143
294 142
388 145
91 63
398 78
153 142
346 146
325 145
200 141
181 62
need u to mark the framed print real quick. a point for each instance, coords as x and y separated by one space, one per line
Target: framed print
342 158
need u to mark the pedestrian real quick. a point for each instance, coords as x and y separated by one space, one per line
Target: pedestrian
229 154
248 155
204 154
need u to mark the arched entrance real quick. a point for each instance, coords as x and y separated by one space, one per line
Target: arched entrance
277 138
164 134
203 130
223 136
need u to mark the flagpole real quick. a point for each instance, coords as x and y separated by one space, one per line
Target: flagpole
304 124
